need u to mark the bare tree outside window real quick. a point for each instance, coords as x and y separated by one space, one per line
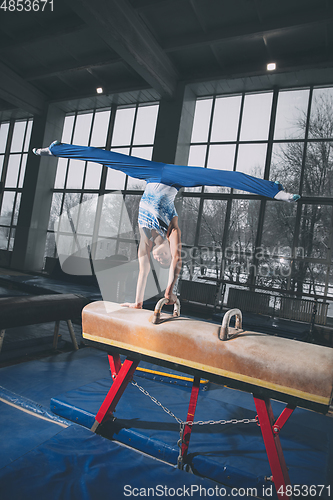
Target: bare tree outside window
290 247
316 219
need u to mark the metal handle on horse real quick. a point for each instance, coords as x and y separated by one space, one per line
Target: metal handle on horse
224 334
158 308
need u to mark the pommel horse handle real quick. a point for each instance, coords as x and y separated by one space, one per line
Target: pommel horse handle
224 334
158 308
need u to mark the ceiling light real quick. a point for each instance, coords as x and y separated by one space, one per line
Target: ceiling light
271 67
99 90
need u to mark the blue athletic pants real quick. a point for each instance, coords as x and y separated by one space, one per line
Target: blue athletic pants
171 175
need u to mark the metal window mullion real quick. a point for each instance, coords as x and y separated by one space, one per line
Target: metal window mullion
306 138
329 256
300 204
269 151
7 152
263 204
15 191
60 212
201 203
241 111
20 167
101 192
74 230
231 195
225 234
68 161
82 190
132 139
4 172
89 140
123 206
108 146
65 191
13 211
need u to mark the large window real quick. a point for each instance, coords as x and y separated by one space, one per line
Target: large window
93 196
284 136
14 144
238 237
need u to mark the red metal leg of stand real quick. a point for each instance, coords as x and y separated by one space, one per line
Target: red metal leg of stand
283 417
190 416
120 383
273 446
115 364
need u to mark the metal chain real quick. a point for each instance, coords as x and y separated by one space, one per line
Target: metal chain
198 422
154 400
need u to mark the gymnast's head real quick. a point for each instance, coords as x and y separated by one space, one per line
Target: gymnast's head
162 254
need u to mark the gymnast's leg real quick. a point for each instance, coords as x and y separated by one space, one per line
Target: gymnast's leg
171 175
198 176
130 165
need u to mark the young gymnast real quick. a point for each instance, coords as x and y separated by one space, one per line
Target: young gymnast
158 219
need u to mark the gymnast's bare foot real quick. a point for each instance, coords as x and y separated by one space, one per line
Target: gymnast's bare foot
284 196
45 151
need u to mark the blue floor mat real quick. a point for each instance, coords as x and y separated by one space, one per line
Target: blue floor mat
232 454
20 434
77 382
40 380
41 459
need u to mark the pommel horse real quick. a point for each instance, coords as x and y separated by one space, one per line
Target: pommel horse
296 373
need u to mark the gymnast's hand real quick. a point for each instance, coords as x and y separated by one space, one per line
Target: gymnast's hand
172 298
135 305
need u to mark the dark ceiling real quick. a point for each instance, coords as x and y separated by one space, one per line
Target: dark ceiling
150 46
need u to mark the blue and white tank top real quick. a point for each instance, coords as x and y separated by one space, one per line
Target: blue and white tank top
157 208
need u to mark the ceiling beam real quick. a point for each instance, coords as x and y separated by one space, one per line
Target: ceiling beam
294 64
95 62
198 14
251 30
112 90
19 93
117 23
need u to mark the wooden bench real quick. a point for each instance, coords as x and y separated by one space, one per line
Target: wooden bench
199 293
281 306
249 301
302 310
32 310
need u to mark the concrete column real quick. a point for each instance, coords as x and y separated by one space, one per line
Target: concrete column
31 231
174 127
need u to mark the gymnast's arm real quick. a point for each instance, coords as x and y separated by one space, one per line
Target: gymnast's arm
174 238
144 250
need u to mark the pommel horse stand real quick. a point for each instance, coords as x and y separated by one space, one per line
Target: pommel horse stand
296 373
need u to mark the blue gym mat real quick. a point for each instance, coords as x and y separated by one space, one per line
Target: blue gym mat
232 454
44 459
73 385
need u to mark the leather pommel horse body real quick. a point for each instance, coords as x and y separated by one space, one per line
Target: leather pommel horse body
296 373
